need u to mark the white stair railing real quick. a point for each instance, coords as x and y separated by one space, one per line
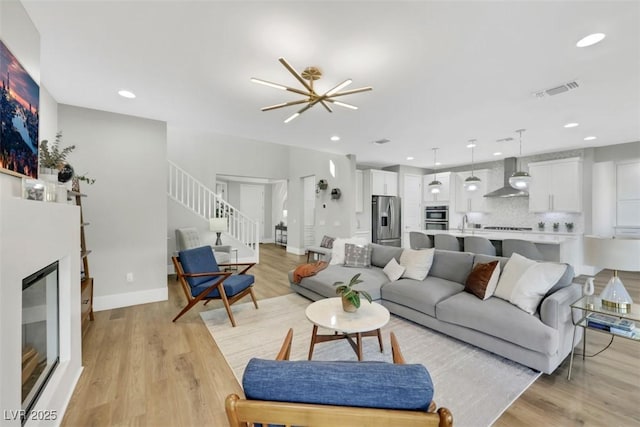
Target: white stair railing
197 197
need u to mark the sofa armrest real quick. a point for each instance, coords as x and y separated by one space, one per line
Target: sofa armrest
555 310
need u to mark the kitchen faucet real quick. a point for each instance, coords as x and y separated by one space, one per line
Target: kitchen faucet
465 221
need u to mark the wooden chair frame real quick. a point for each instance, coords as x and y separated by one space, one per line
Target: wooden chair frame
243 412
218 284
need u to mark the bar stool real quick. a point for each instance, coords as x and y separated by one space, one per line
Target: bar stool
523 247
419 240
447 242
479 245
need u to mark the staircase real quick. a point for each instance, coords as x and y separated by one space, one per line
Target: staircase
195 196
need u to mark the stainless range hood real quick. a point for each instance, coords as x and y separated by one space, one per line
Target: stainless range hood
510 166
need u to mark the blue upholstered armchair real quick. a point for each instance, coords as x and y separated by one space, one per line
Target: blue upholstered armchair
201 279
319 394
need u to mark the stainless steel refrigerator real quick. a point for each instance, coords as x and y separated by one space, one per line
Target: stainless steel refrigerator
385 220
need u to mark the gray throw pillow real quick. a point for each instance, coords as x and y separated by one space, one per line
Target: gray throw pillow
327 242
381 255
357 255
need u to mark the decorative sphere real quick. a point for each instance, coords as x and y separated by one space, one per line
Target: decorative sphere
65 173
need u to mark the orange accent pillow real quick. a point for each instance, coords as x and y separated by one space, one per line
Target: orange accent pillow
480 281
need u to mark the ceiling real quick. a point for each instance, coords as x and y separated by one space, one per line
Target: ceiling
442 72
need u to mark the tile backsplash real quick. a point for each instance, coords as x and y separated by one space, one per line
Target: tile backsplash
514 212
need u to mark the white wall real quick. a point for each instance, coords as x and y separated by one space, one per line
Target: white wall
127 206
48 115
206 154
333 217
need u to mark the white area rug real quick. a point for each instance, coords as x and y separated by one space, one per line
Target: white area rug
475 385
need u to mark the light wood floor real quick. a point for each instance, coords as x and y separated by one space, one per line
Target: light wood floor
143 370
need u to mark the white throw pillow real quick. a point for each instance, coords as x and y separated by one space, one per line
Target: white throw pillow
393 270
534 285
493 282
417 262
337 253
513 270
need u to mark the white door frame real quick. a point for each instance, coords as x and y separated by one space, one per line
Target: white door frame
308 211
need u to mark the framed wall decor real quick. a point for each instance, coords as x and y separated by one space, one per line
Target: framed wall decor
19 117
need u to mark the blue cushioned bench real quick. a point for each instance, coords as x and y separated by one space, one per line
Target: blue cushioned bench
334 394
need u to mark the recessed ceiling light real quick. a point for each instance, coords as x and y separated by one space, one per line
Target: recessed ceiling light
126 94
335 138
410 158
498 153
590 138
438 163
571 125
590 40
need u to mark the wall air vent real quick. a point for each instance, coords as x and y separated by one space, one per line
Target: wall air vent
381 141
557 90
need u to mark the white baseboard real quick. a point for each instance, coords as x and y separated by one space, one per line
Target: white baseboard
586 270
297 251
268 240
109 302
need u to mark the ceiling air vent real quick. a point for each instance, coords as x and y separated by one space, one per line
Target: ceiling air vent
382 141
557 90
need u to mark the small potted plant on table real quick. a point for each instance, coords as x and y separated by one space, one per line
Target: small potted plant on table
541 226
350 296
556 226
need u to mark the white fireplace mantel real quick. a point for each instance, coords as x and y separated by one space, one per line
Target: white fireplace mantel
32 236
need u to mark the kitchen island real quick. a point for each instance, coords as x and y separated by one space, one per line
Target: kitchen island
558 247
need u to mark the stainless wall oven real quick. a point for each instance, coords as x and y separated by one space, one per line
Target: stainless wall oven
436 218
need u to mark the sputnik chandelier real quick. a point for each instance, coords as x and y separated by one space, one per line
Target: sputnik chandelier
311 97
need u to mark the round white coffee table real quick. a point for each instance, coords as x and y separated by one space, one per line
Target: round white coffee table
365 322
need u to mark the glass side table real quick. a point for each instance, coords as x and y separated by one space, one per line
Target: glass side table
593 304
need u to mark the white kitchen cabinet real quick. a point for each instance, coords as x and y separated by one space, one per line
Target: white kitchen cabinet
556 186
384 183
445 191
628 180
628 193
359 191
471 201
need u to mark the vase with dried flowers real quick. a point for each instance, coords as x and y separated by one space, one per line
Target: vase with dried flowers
53 162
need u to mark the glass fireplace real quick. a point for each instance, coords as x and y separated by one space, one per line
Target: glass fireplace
40 333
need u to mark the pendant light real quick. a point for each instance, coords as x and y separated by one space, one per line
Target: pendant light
472 183
435 185
520 180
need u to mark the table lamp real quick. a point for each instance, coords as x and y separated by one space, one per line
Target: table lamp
218 225
614 254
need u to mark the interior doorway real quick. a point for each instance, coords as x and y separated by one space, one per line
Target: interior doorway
221 189
252 205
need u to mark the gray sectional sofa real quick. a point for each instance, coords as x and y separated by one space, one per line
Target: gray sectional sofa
541 341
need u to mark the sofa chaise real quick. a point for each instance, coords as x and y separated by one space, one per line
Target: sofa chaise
541 340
